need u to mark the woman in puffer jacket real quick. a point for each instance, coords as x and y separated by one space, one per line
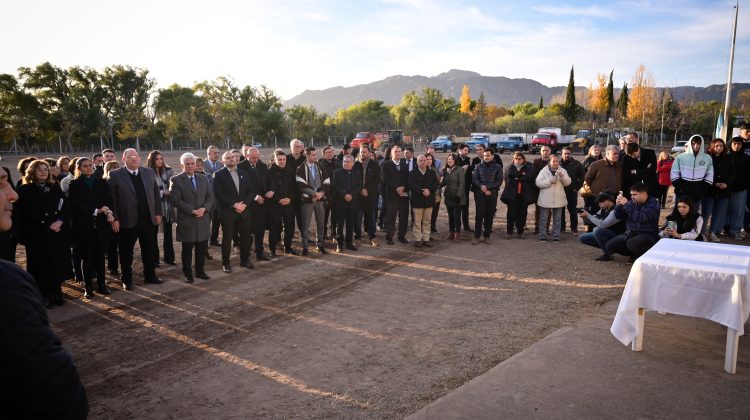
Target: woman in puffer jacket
552 180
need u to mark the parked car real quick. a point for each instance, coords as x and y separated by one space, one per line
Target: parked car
363 138
443 143
510 144
679 147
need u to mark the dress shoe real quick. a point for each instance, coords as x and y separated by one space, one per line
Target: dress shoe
426 244
322 250
88 294
104 291
339 248
305 252
203 276
189 278
128 286
351 247
114 272
209 257
373 242
521 235
417 244
48 303
247 264
604 257
389 241
214 243
403 240
170 263
433 230
154 280
59 301
226 268
291 251
487 240
273 254
262 257
358 243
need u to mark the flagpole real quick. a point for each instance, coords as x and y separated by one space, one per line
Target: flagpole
725 128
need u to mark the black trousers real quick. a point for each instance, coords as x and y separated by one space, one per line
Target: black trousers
145 233
200 257
396 207
7 247
572 197
366 216
346 215
113 262
92 253
433 217
282 217
215 225
517 212
486 206
634 246
465 211
167 242
258 225
234 224
76 258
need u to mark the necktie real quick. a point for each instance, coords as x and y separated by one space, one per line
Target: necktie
313 175
192 182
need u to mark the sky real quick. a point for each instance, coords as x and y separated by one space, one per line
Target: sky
294 45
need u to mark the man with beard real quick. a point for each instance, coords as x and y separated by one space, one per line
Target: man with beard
281 210
258 172
368 196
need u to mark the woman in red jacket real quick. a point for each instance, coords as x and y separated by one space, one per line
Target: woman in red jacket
663 167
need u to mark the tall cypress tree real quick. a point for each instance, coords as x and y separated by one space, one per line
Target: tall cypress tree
610 95
570 109
622 101
541 102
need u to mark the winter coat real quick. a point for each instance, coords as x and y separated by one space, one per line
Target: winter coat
488 174
519 181
454 181
663 169
419 181
576 173
640 219
552 195
692 173
723 173
185 199
603 175
741 171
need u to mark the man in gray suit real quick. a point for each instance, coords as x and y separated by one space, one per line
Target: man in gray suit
193 199
137 213
211 165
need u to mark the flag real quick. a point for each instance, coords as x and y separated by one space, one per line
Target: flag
718 133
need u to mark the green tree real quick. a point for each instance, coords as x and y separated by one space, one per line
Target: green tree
425 113
541 102
571 109
20 113
622 101
128 94
610 95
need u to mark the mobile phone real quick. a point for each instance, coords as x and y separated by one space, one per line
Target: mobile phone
579 210
671 225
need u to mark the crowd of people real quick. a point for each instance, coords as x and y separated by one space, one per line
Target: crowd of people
81 217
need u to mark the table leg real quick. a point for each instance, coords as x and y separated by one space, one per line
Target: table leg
637 344
730 358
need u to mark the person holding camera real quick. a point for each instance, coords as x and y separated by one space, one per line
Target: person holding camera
605 225
551 181
684 222
641 215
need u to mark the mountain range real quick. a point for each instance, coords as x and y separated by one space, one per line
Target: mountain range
497 90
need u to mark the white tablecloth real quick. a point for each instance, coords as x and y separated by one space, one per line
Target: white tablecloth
699 279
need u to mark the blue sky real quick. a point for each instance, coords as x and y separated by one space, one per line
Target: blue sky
291 45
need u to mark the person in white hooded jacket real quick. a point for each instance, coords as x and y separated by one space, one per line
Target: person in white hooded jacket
552 180
692 171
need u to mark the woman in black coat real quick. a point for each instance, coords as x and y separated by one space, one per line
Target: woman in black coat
519 178
91 203
42 211
715 204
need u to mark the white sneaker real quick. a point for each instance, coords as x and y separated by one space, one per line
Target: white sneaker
713 238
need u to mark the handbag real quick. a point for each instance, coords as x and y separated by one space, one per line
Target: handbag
586 190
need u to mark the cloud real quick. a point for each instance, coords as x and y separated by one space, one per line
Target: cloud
590 11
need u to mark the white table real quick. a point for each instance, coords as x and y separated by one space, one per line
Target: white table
699 279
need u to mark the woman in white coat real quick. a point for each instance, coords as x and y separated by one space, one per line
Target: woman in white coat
552 180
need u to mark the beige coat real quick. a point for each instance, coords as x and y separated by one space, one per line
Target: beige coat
552 195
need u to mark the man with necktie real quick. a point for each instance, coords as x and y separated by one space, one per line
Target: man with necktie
347 184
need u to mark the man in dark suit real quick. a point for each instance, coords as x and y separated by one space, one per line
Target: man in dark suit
294 160
346 185
329 165
369 170
648 162
233 190
210 166
193 198
395 174
464 160
281 211
258 172
410 159
137 209
107 155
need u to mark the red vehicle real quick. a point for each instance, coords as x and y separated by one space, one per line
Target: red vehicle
363 138
547 136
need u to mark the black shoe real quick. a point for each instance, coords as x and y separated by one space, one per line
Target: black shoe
203 276
155 280
468 229
170 263
389 241
291 251
433 230
88 294
351 247
48 303
262 257
339 248
604 257
273 254
226 268
209 257
189 278
305 252
247 264
127 286
322 250
403 240
114 272
214 243
426 244
104 291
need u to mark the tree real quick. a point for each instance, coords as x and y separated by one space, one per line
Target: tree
480 112
610 95
465 100
570 108
370 115
598 104
541 102
642 102
426 113
622 101
20 112
128 94
526 108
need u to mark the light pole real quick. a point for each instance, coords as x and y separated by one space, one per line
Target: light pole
661 136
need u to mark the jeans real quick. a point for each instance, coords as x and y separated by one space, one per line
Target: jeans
598 238
366 217
634 246
454 218
736 215
556 219
716 209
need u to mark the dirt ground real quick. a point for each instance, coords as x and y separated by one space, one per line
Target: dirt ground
377 333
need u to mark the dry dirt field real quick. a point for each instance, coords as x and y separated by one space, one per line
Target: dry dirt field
377 333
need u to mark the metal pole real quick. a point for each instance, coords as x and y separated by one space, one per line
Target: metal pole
661 133
725 129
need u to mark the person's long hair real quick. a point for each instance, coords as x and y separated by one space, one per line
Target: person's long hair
151 162
109 167
78 164
454 156
715 142
689 218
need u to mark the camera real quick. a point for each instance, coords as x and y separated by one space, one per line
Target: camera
579 210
